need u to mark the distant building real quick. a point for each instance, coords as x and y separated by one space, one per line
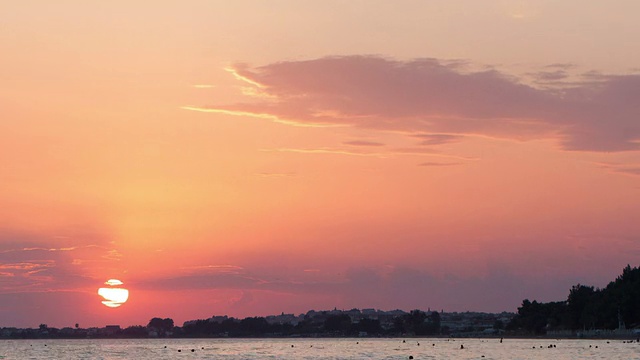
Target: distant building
112 329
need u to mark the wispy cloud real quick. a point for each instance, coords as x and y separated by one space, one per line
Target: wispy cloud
213 269
362 143
563 66
382 153
437 139
429 96
268 116
437 164
332 151
237 73
33 269
27 266
620 168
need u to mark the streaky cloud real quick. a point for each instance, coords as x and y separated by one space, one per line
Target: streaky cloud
268 116
439 164
437 139
332 151
362 143
620 168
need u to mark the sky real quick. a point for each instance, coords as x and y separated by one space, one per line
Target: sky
250 158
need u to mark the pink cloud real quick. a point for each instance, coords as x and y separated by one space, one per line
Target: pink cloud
438 164
46 268
429 97
363 143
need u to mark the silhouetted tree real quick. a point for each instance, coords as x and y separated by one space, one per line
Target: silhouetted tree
399 325
586 307
161 325
370 326
580 315
229 326
253 326
168 324
135 331
337 323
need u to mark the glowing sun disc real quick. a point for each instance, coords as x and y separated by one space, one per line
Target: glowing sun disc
113 296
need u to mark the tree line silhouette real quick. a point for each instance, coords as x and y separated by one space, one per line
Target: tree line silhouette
615 306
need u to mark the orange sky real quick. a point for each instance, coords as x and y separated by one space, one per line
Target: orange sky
250 158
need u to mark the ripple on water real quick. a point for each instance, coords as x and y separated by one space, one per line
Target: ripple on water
323 349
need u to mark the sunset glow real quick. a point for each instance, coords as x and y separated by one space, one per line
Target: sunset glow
247 158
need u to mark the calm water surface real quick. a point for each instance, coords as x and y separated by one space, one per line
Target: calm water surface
481 349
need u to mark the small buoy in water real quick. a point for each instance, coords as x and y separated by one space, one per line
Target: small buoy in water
193 350
410 357
418 344
165 346
403 341
291 345
482 356
179 350
203 348
596 346
461 346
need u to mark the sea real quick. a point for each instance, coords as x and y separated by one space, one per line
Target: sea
315 348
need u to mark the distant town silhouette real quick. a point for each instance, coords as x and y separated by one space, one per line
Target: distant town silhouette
613 311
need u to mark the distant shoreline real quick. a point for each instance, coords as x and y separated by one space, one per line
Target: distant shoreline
448 338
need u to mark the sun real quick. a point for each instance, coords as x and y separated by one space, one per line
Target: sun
113 296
